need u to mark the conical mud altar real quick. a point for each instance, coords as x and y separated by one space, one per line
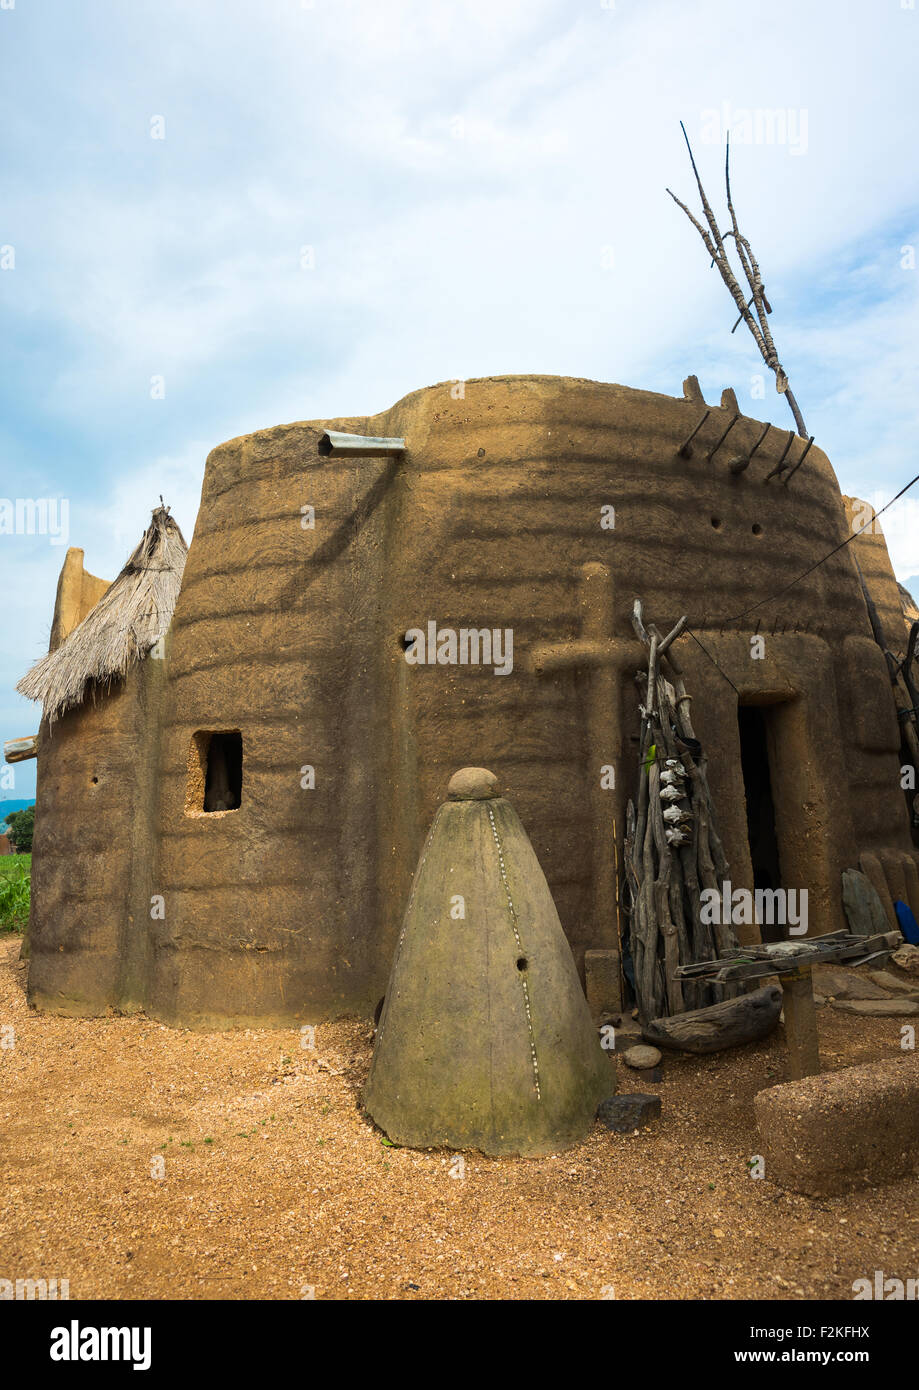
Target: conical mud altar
485 1040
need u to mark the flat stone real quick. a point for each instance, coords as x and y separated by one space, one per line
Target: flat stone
640 1057
893 984
623 1114
830 1133
863 907
907 957
878 1008
846 984
625 1026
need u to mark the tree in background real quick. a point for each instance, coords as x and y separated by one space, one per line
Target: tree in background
21 828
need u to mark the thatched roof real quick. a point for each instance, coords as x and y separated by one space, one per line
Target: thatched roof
130 617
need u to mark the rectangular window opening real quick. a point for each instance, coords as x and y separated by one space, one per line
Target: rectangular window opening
217 771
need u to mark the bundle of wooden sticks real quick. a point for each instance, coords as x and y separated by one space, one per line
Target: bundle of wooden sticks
672 848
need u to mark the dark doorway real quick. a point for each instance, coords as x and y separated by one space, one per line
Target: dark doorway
223 781
764 849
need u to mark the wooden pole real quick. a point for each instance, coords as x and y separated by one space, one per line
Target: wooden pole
800 1024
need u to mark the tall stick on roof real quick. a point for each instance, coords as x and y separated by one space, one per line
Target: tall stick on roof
755 309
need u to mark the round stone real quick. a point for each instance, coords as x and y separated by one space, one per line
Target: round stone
472 784
641 1057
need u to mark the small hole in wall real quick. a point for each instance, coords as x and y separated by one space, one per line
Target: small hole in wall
716 522
522 962
756 529
406 641
95 781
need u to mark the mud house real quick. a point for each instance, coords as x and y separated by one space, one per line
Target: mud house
237 761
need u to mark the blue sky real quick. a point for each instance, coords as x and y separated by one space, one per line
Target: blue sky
481 184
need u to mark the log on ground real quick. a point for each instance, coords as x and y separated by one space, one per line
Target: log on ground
732 1023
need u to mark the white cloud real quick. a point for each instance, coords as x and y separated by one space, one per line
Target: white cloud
112 532
460 171
900 527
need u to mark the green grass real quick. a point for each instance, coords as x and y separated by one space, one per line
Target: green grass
15 881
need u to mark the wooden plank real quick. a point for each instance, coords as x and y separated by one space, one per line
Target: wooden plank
757 962
19 750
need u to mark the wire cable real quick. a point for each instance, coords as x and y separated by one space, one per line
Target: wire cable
762 603
835 551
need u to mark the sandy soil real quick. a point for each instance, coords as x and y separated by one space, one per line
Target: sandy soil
275 1185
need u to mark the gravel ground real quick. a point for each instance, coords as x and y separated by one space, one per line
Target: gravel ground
276 1186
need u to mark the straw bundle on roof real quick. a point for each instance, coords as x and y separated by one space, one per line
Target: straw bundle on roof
131 616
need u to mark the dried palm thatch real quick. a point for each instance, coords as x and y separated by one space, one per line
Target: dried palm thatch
129 619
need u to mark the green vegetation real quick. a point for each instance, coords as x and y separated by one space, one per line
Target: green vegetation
15 881
21 829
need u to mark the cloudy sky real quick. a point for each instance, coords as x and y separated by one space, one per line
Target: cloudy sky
219 215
